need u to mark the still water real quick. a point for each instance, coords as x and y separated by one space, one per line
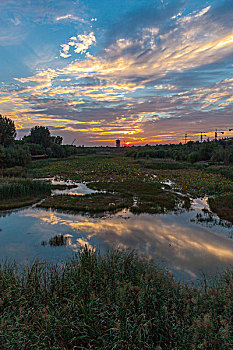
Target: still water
187 248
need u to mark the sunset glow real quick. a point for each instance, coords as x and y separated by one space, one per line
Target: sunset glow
95 71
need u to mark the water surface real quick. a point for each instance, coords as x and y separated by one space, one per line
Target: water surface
186 248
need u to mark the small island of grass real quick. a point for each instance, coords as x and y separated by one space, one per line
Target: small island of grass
91 203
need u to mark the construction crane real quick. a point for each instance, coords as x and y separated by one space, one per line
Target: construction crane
73 142
216 134
202 134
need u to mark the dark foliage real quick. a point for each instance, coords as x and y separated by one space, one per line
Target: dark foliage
7 131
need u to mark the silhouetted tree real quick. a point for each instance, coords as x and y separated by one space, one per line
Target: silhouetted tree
40 135
7 131
57 139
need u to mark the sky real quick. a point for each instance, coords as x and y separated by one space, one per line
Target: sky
146 72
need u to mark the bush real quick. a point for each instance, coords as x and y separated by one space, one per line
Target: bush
15 156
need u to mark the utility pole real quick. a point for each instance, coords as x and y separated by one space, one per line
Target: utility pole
202 134
185 138
216 134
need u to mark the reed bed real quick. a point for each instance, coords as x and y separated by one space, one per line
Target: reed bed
116 301
18 188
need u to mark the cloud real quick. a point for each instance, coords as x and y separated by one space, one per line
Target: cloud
151 15
80 44
154 82
64 52
16 21
71 18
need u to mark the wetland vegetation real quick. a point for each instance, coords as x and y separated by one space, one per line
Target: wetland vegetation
223 206
125 176
116 301
90 203
18 192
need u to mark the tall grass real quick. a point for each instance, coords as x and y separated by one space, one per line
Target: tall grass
117 301
20 188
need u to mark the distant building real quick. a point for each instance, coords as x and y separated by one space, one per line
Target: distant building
118 143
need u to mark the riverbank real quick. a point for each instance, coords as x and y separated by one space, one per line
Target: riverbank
118 300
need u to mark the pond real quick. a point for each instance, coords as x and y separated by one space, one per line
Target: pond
187 246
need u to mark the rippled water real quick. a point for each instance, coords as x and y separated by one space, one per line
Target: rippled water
186 248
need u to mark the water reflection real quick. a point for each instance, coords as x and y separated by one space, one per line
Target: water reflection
80 189
186 248
73 188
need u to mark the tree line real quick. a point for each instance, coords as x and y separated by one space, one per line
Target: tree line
39 142
220 151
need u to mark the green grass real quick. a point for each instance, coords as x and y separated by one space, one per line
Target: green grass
116 301
150 197
16 171
226 171
91 203
196 182
117 173
157 164
15 193
140 197
91 168
223 206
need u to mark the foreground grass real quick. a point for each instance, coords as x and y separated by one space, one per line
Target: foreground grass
118 301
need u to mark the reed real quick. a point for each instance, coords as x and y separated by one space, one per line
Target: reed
21 188
116 301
